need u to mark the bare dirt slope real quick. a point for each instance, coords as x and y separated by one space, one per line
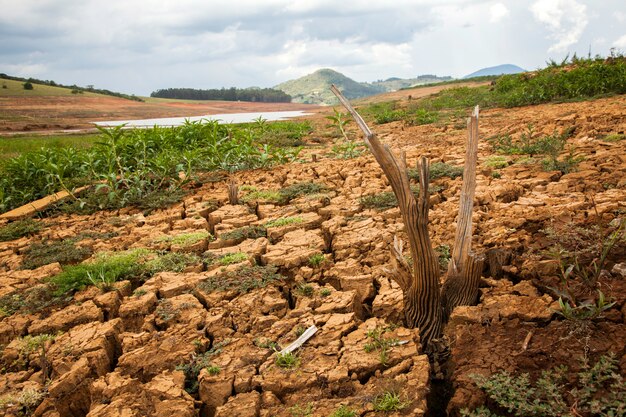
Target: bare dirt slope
116 353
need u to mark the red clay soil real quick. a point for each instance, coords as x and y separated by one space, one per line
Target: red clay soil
123 352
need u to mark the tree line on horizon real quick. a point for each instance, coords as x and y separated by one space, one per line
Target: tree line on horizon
264 95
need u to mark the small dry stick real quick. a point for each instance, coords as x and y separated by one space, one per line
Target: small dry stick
527 340
233 192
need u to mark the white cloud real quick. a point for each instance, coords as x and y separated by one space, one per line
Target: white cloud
565 19
620 42
497 12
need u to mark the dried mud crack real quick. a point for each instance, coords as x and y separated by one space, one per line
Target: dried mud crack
222 287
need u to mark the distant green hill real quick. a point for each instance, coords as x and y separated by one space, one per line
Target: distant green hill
395 83
497 70
315 88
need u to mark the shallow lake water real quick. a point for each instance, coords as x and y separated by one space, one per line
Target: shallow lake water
229 118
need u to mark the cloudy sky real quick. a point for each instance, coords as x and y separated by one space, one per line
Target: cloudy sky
138 46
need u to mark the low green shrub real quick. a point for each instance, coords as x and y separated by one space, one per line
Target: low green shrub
244 279
438 170
62 251
598 390
18 229
242 233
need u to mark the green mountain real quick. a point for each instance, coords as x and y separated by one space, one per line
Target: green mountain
315 88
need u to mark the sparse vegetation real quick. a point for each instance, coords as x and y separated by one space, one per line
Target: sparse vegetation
347 150
599 390
444 255
197 363
284 221
378 342
299 331
389 401
266 343
242 233
25 402
19 229
496 162
317 260
305 290
325 292
62 251
380 201
243 279
171 261
233 258
186 239
301 410
438 170
344 411
287 360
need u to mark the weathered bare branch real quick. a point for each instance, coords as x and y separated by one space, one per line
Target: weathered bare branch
463 238
422 297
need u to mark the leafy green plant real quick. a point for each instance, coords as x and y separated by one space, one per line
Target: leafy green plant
566 165
389 401
339 121
18 229
138 167
421 116
287 360
378 342
586 310
325 292
598 390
